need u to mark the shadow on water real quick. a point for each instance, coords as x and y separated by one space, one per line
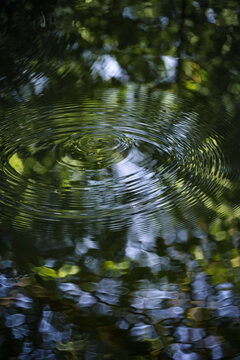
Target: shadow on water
119 180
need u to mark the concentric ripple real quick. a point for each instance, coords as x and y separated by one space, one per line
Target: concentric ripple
92 150
108 158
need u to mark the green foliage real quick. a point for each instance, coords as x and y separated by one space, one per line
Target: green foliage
71 37
59 51
116 269
63 272
67 270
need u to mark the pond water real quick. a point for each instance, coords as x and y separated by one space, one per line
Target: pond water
119 180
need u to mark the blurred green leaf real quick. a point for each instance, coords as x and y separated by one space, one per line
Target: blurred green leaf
67 270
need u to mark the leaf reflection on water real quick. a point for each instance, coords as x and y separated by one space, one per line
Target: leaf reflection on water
132 259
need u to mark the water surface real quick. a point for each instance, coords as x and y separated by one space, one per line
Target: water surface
119 181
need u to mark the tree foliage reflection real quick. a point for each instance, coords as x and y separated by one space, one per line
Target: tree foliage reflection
161 283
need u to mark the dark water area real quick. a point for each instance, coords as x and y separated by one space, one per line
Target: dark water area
119 180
